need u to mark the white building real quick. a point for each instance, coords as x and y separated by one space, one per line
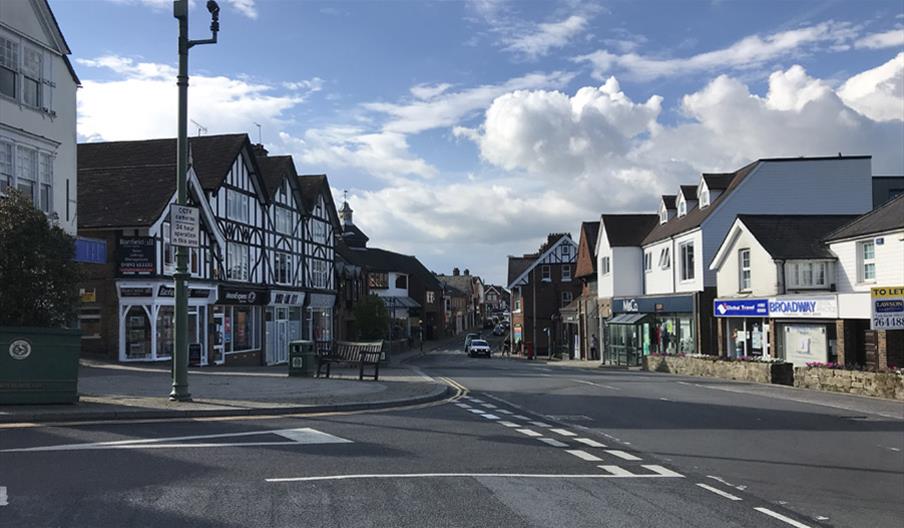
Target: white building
37 103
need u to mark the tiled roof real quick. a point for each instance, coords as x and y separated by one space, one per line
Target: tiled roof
517 265
794 236
887 217
354 237
125 196
382 260
591 230
311 186
718 181
461 282
669 200
689 192
696 216
273 170
627 230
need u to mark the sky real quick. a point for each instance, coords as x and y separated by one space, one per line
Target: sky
466 131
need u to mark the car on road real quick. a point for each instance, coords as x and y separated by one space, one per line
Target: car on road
468 339
479 347
500 330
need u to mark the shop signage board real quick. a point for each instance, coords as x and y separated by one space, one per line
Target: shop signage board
741 308
887 308
803 307
243 296
136 256
185 226
672 304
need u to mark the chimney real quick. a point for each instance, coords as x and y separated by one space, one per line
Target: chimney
467 272
455 272
259 150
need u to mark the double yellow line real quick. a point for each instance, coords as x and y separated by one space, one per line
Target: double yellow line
462 391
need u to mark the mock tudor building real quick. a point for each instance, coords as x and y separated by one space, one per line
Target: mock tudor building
542 283
679 293
37 106
496 299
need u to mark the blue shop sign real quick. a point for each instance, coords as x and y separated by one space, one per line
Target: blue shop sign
90 251
670 304
741 308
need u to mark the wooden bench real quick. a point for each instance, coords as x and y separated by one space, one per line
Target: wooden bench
359 354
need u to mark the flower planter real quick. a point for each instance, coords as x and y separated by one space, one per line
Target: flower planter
889 385
38 365
756 371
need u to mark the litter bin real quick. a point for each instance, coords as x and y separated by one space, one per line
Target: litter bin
302 358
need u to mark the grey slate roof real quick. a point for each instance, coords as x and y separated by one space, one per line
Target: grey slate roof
382 260
626 230
669 200
273 170
689 192
517 265
125 196
887 217
591 230
718 181
794 236
354 237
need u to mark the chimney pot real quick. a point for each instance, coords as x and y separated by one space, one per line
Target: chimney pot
456 272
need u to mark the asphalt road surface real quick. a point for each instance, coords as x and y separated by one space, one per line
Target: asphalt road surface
525 445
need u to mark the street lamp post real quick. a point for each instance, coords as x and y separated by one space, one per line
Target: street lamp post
180 351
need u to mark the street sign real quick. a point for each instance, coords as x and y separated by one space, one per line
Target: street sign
184 230
887 308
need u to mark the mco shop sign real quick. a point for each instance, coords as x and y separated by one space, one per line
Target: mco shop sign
803 307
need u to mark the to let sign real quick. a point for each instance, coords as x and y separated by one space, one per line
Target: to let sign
184 222
887 307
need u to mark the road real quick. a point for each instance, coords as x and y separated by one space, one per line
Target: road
526 445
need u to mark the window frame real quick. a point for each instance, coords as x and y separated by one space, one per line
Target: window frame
566 298
744 274
606 265
373 283
688 271
648 261
864 263
566 277
665 258
282 267
13 66
244 266
546 273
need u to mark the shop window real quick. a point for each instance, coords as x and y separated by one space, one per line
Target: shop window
401 282
545 273
378 281
867 258
166 329
243 335
566 273
744 269
138 334
687 261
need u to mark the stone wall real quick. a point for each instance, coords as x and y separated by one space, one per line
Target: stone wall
759 372
863 383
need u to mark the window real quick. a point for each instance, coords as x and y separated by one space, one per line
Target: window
238 260
687 261
665 258
283 220
401 282
319 273
566 273
45 185
663 215
546 273
27 171
378 281
517 295
704 198
236 206
9 66
431 297
282 268
6 166
319 231
169 251
566 298
682 208
744 270
807 274
604 264
89 323
31 77
648 261
867 261
566 250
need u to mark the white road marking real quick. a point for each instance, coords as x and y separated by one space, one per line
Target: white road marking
662 471
508 424
490 416
622 454
658 472
895 449
488 405
603 385
781 517
540 424
459 475
475 400
589 442
665 399
463 405
477 411
717 491
503 411
617 471
303 435
563 432
520 417
529 432
553 442
4 500
584 455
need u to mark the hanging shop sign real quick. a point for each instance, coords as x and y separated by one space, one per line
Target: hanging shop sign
741 308
887 308
803 307
136 256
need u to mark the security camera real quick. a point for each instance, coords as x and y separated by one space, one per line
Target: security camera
213 7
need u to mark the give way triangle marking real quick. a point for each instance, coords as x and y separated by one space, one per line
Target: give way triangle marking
303 435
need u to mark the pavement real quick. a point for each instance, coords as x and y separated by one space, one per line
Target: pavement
122 391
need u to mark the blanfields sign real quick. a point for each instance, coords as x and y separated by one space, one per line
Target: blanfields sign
887 308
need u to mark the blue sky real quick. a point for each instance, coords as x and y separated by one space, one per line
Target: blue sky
466 130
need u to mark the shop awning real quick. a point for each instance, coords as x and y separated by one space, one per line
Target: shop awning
399 302
627 318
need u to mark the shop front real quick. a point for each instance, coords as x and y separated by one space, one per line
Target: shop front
804 328
236 324
319 320
147 317
744 326
641 326
283 324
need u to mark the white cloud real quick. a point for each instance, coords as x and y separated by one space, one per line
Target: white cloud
146 94
893 38
546 37
877 93
750 52
429 91
312 85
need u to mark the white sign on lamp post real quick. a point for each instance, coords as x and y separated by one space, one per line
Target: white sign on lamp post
184 230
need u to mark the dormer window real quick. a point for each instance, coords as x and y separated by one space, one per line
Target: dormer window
663 215
704 197
682 208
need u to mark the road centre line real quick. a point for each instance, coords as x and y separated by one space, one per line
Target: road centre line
464 475
584 455
717 491
589 442
622 454
563 432
529 432
603 385
781 517
553 442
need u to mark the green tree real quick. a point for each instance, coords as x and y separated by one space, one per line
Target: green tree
371 318
38 273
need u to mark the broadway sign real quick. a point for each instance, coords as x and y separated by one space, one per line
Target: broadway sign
803 307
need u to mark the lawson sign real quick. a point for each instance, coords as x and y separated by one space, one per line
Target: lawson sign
741 308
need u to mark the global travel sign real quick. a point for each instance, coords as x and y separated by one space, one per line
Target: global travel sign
741 308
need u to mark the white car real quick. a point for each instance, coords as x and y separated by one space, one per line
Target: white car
479 347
